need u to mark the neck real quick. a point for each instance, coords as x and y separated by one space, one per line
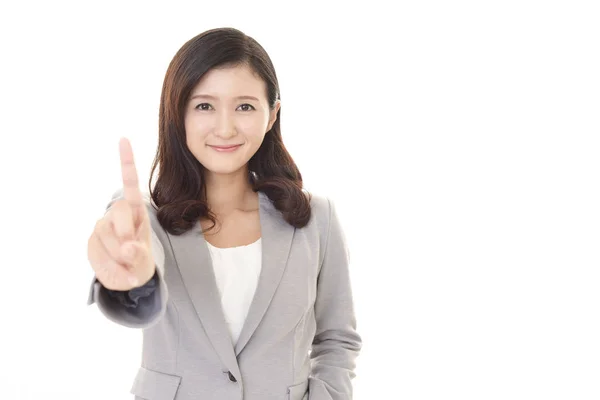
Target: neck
228 192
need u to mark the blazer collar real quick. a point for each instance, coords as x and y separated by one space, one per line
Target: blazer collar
195 264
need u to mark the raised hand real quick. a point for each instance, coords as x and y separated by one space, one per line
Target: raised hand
119 248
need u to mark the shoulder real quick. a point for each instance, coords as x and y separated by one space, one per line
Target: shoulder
321 208
324 219
319 204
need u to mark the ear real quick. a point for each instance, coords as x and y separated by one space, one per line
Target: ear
273 115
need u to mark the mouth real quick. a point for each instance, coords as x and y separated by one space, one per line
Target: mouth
227 148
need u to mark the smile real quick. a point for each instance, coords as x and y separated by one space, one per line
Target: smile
226 149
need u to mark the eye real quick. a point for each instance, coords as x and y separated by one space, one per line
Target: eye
202 107
207 107
248 105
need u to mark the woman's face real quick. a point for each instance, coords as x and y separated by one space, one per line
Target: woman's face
226 118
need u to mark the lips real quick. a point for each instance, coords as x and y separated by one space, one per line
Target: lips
225 147
230 147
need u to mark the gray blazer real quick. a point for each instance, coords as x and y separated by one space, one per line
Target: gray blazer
299 341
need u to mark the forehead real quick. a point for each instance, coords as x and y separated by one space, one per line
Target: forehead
231 82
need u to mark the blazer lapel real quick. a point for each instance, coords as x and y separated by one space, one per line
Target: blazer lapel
276 241
195 264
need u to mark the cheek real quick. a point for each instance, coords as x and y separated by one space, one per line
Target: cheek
253 130
195 129
254 138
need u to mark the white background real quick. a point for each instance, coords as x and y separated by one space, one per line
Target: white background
459 140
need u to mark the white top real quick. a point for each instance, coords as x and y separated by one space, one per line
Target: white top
236 271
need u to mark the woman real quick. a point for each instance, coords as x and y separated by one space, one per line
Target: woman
237 276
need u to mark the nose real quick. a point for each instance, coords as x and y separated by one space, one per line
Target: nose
225 127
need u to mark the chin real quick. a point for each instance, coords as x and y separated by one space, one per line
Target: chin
224 169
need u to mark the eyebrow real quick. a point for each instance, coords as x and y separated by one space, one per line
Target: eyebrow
208 96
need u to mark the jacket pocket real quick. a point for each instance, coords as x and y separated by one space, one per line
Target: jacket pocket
298 391
154 385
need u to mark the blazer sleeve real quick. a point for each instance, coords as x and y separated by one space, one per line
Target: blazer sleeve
336 343
132 297
150 299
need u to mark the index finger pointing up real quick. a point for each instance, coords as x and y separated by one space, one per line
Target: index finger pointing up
131 186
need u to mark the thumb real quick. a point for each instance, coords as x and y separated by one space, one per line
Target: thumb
140 262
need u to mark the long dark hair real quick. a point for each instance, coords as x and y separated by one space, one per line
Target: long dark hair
180 191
